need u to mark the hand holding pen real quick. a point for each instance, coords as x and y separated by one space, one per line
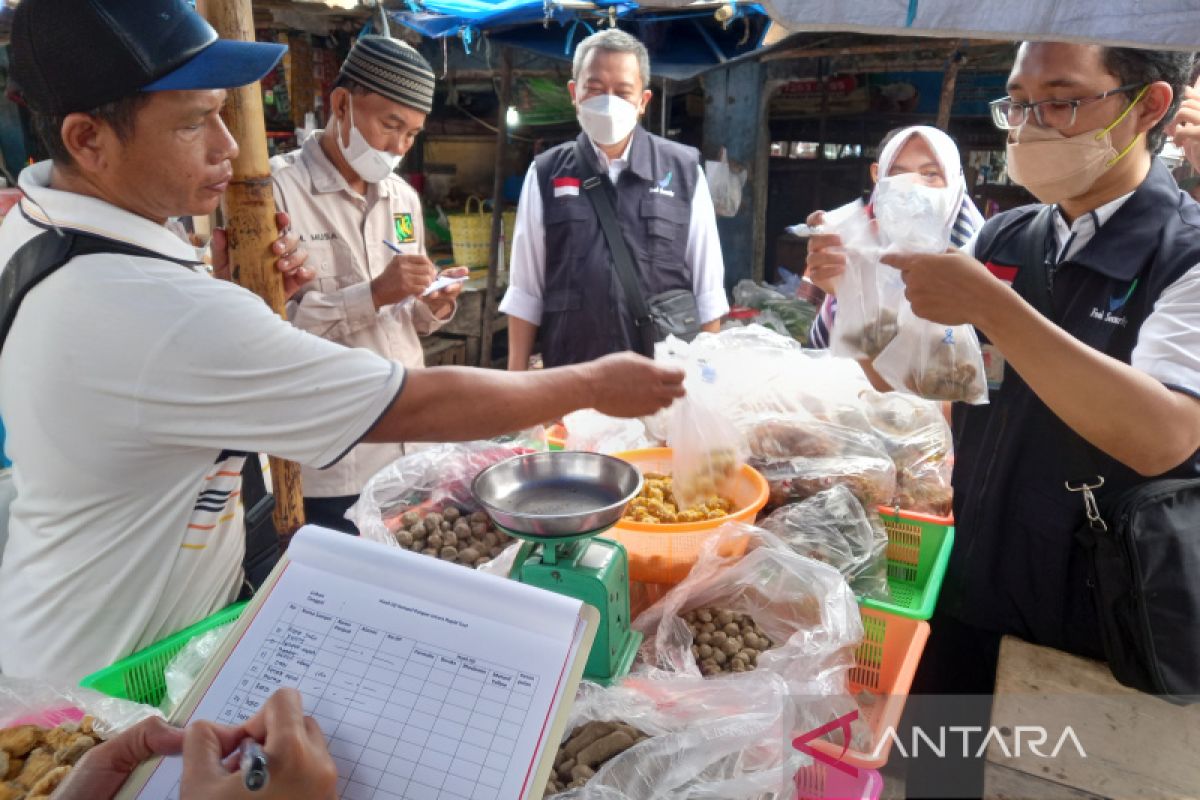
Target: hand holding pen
292 760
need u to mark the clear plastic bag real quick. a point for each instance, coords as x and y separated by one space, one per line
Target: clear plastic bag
185 666
706 449
804 606
430 479
834 528
935 362
597 433
706 740
919 441
801 456
725 184
869 293
27 701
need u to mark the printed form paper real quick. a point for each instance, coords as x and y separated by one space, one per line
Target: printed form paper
419 698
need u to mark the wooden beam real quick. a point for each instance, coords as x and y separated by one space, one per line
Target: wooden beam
489 297
249 210
949 83
913 47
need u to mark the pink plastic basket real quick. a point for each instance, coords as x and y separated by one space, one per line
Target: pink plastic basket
820 782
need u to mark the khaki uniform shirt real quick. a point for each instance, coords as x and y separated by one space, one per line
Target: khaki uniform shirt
344 235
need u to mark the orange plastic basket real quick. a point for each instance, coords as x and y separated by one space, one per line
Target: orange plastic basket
666 553
886 662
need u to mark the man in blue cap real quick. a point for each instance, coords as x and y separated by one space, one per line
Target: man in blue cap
133 384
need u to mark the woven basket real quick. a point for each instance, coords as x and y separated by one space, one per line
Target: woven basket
471 234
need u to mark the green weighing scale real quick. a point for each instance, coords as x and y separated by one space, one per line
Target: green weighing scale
558 503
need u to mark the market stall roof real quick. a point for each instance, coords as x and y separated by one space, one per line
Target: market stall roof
682 42
1157 24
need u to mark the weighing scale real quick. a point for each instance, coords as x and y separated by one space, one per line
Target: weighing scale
558 503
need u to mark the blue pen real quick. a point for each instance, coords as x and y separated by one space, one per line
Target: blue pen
395 248
253 765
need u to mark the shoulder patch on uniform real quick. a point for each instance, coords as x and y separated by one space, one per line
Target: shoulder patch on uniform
406 232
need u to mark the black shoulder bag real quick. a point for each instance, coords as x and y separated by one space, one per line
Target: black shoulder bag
672 312
45 254
1143 550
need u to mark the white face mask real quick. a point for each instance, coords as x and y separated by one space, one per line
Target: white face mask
371 165
914 217
607 119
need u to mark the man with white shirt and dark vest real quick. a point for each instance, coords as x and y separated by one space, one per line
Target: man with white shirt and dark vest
1111 367
564 291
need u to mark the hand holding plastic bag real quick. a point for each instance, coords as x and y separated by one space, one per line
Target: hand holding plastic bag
936 362
706 449
868 292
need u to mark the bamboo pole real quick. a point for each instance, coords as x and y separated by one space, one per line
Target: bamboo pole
489 297
249 210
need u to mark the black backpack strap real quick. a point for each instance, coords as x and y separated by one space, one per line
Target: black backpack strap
47 253
600 191
50 251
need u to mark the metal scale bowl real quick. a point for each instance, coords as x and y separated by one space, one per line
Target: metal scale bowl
558 503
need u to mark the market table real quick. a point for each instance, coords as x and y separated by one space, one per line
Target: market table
1136 746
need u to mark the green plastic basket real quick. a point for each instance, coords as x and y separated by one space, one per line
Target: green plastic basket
141 677
918 551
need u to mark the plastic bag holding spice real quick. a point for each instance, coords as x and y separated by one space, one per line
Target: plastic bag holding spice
705 740
868 292
706 449
430 479
918 439
801 456
27 701
933 361
805 608
834 528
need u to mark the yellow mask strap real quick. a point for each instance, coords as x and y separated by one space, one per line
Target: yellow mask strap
1117 122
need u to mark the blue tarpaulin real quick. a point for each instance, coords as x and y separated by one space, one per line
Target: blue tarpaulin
682 42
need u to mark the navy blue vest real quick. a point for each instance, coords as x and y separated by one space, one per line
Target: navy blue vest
1016 567
584 314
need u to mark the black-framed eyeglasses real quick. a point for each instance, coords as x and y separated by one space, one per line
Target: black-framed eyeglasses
1009 114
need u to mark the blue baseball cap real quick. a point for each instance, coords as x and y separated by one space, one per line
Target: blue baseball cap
128 46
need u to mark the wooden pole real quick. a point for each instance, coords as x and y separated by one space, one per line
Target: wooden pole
249 211
489 297
949 83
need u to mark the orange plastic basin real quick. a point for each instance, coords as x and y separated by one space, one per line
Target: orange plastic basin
665 553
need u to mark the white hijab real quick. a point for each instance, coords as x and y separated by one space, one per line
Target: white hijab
967 220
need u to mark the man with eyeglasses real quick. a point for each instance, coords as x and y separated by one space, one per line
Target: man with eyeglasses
1115 362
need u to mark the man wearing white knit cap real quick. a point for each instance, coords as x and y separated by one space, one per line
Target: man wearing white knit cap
346 201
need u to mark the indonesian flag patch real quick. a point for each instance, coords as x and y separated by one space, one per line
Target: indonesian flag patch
566 187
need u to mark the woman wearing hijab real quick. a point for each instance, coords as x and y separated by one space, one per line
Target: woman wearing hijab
920 154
